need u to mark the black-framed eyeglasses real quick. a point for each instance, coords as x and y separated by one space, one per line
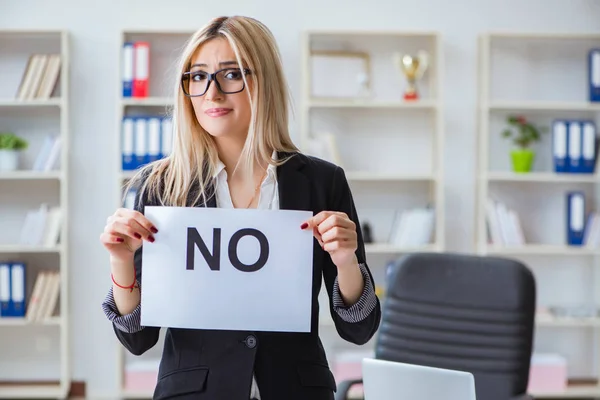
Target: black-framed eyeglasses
228 80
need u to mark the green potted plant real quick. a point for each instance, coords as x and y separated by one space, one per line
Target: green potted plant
523 133
10 147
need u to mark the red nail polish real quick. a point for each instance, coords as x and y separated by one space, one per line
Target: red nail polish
154 230
137 235
303 226
120 240
151 238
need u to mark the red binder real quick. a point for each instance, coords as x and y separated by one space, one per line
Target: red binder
141 62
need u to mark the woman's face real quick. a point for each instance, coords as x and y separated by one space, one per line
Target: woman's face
220 114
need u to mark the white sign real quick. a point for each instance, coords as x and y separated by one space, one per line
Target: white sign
233 269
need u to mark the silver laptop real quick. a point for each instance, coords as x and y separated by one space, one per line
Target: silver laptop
387 380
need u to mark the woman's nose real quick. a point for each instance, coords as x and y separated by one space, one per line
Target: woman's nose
213 92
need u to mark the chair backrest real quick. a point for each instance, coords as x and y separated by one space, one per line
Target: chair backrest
463 312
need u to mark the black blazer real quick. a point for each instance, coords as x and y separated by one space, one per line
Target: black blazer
218 365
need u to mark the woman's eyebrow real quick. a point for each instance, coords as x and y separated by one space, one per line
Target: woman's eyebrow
221 63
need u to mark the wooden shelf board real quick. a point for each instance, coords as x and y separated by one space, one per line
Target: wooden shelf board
386 248
366 103
542 35
27 175
136 394
370 32
159 32
32 390
550 106
11 32
573 391
53 102
147 101
16 248
541 249
376 176
7 321
541 177
551 321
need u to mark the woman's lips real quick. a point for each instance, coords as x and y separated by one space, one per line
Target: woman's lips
217 112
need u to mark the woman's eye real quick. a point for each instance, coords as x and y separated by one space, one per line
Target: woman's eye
233 75
196 77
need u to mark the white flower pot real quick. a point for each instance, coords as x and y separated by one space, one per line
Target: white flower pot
9 160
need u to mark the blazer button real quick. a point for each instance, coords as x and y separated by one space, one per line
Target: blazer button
250 341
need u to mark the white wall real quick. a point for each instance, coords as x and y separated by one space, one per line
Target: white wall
95 28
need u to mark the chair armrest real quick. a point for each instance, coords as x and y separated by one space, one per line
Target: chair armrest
344 388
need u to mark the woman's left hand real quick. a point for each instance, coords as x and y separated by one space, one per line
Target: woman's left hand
336 233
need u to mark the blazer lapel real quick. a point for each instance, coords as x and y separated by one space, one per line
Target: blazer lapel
212 200
294 186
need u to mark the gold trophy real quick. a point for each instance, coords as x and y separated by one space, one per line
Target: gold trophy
413 67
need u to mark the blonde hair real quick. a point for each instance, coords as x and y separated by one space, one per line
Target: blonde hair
194 156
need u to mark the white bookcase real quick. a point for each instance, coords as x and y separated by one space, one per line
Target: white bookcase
35 360
164 49
541 77
391 149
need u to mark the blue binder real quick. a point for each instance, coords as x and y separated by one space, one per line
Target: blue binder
166 136
575 218
127 144
5 303
594 75
575 147
127 69
154 150
559 145
140 147
588 146
17 290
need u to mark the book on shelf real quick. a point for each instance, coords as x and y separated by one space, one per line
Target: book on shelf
503 224
42 227
49 155
40 77
591 235
44 296
413 227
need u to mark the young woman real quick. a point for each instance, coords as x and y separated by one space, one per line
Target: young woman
232 149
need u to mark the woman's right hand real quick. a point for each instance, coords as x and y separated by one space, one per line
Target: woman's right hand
124 233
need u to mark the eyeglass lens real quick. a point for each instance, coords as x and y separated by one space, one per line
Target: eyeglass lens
229 81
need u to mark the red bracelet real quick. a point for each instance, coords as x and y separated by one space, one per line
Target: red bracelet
130 287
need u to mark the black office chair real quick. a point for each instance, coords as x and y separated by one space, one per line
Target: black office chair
460 312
